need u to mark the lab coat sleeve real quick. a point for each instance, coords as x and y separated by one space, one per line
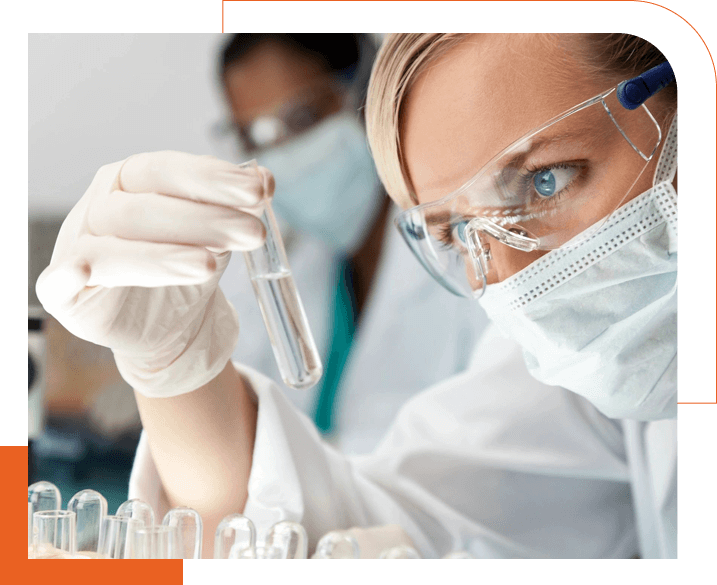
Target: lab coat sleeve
489 462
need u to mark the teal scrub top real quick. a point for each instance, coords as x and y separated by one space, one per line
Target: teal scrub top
344 323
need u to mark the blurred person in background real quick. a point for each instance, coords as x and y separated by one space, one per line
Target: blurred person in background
295 103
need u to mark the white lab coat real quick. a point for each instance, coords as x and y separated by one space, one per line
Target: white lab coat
490 461
425 334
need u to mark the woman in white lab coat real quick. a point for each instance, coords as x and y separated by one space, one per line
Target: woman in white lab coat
294 101
561 210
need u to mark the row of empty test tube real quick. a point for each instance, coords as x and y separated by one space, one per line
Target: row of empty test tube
85 531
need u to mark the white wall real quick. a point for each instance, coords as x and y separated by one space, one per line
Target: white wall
97 98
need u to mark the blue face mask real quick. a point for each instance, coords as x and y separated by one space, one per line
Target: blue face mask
326 183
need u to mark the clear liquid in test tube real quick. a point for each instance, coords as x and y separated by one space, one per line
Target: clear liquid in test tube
284 317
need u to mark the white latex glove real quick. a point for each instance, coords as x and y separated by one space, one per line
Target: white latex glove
137 261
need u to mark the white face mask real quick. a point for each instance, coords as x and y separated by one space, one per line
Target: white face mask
600 318
326 183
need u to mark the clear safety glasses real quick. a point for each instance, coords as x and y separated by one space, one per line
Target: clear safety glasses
305 110
553 187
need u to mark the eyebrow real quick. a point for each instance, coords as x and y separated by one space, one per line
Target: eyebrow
438 218
584 137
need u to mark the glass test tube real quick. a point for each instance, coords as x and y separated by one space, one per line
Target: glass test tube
189 532
284 317
30 550
153 542
53 534
114 536
234 530
255 552
337 545
290 538
44 495
138 510
90 507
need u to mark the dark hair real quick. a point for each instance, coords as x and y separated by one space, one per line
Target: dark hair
347 55
339 53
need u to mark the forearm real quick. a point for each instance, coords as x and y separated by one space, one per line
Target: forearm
202 444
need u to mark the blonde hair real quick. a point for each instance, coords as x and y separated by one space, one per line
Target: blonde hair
402 57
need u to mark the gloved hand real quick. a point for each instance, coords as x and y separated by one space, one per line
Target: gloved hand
137 262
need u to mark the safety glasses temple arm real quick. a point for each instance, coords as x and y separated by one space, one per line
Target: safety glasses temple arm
632 93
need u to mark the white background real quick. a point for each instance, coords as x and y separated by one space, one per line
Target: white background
96 99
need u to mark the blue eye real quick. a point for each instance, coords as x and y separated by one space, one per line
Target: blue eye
544 183
460 230
550 182
452 236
